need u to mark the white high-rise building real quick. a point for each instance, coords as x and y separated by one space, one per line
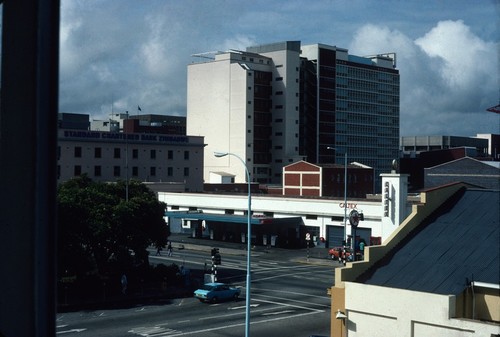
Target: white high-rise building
278 103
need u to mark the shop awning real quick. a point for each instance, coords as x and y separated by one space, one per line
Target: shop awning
255 219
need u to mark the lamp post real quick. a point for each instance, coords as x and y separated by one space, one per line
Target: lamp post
344 239
249 237
126 159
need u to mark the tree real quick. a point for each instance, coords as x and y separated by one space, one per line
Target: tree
98 229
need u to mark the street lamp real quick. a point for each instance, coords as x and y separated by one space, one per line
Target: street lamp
249 237
345 198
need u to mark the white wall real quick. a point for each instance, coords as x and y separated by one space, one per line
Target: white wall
398 208
281 207
379 311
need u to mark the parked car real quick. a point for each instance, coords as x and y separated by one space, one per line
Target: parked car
336 253
214 292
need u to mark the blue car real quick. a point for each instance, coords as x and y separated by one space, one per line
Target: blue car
214 292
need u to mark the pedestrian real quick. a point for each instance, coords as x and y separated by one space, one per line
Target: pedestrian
169 248
124 283
362 248
158 250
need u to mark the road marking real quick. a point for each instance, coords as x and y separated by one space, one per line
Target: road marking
278 312
292 293
242 324
155 331
61 326
70 331
243 307
287 304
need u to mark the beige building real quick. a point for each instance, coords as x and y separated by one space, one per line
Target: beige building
111 156
436 275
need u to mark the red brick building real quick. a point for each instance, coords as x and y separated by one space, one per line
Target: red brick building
327 180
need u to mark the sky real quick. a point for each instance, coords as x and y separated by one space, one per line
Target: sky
118 55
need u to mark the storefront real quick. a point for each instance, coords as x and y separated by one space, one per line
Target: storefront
286 232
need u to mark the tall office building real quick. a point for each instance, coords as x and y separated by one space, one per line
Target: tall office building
278 103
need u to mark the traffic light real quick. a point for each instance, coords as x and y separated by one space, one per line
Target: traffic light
215 251
217 259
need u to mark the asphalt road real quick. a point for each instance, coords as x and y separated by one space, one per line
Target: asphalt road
288 298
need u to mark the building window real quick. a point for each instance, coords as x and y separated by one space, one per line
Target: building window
278 107
153 154
135 153
279 79
77 170
117 152
186 155
97 171
78 151
116 171
170 154
186 172
97 152
279 93
135 171
152 171
170 171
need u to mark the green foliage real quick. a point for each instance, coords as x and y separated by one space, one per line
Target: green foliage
98 229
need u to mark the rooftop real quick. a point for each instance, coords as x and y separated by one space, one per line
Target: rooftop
457 244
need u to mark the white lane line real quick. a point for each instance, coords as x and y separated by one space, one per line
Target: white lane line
288 304
154 331
70 331
278 313
243 307
242 324
283 301
292 293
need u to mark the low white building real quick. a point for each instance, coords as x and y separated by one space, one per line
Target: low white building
287 219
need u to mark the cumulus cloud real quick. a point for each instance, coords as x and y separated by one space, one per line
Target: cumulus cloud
463 54
447 76
117 54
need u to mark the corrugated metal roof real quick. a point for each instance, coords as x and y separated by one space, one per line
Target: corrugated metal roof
458 244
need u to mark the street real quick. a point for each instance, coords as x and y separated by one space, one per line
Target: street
288 298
